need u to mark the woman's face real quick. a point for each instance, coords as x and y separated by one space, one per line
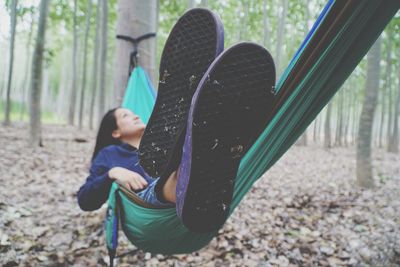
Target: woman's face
128 123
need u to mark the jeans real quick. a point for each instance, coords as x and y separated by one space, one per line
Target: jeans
149 195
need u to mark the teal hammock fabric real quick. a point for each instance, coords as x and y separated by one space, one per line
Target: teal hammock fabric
139 94
343 35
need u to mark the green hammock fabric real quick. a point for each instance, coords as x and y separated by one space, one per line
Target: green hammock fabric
345 41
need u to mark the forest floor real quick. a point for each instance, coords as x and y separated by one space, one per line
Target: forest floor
306 211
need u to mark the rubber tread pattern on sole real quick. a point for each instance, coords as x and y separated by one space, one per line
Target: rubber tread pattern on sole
232 108
195 41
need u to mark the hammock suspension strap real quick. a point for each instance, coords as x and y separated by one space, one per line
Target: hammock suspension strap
133 58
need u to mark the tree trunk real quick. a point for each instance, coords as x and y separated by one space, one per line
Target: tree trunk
134 18
348 112
46 92
385 89
281 34
354 116
71 112
36 77
319 127
62 89
303 140
25 83
10 70
394 137
245 22
339 125
95 68
103 57
85 47
316 121
327 126
239 23
204 3
390 111
364 166
191 4
266 42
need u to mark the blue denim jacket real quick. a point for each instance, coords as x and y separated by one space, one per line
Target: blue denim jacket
94 193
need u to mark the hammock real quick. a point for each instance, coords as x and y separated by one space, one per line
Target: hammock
340 38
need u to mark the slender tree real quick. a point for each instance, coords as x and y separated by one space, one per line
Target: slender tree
267 41
85 54
315 130
10 69
339 124
204 3
354 116
245 21
239 24
95 68
3 57
103 56
385 88
36 77
71 111
191 4
63 86
25 83
348 113
389 108
394 137
281 34
364 166
134 18
321 123
327 126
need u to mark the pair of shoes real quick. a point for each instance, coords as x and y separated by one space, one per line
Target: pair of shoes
211 107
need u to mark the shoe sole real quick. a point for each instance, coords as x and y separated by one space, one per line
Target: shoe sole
231 107
194 42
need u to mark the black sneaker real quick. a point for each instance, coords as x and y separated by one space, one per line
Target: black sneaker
231 107
194 42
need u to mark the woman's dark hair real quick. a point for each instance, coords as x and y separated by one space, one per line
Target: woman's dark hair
104 136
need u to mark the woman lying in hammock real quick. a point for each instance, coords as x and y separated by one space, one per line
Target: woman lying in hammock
115 158
209 110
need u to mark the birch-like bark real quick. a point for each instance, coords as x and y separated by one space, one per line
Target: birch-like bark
348 113
73 89
95 68
191 4
85 54
394 137
281 34
327 126
25 84
364 165
103 57
36 77
11 62
354 117
266 40
389 110
316 121
339 124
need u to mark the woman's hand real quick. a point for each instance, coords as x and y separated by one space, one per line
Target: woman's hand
129 179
